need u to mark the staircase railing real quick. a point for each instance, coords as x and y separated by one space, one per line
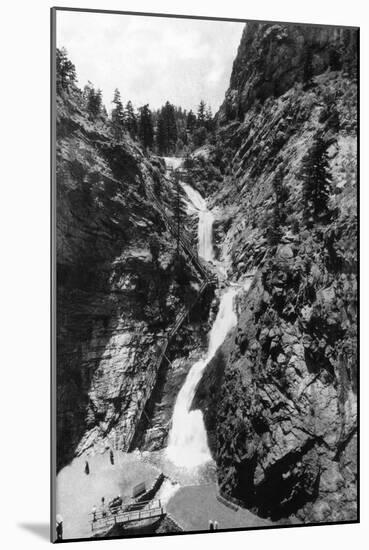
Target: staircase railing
183 239
103 520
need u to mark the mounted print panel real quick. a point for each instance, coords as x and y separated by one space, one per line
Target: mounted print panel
205 261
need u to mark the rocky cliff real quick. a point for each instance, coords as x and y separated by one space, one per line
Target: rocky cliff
120 281
280 398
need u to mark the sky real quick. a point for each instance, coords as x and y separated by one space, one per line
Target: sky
151 59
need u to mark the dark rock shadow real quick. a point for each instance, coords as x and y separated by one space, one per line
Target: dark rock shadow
42 530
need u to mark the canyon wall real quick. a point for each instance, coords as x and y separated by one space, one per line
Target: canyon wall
120 282
280 398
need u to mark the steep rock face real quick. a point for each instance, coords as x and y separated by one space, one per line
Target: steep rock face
120 283
273 57
282 416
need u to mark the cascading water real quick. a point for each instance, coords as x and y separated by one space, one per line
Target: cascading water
205 235
173 162
188 445
196 204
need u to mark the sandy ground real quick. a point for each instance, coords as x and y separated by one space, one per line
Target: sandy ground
77 492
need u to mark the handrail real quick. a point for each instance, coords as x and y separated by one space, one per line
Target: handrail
100 521
182 239
125 508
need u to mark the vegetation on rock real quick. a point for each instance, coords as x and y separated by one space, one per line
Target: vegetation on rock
117 266
281 414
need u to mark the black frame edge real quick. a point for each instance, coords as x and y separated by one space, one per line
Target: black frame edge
52 273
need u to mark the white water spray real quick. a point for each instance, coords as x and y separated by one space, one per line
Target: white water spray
188 444
173 162
197 205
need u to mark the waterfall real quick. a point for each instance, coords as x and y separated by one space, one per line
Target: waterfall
205 235
196 204
173 162
188 439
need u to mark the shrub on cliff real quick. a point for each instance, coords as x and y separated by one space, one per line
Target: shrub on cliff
317 179
65 70
117 116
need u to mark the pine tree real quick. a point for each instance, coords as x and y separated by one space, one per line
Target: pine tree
209 123
167 133
94 102
329 113
191 121
316 180
130 120
201 114
65 70
171 126
86 92
98 102
146 130
117 116
161 136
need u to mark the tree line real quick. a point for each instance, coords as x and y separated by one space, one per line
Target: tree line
168 130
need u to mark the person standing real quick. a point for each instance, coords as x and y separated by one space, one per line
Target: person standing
111 457
93 513
215 526
59 527
211 525
87 468
103 509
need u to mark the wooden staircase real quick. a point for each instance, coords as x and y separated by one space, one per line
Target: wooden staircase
184 239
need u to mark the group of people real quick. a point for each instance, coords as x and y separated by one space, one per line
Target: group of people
87 465
213 525
114 506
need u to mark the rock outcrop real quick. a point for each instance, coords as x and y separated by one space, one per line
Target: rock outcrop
120 281
272 58
281 412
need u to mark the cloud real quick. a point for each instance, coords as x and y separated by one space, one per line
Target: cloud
151 59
